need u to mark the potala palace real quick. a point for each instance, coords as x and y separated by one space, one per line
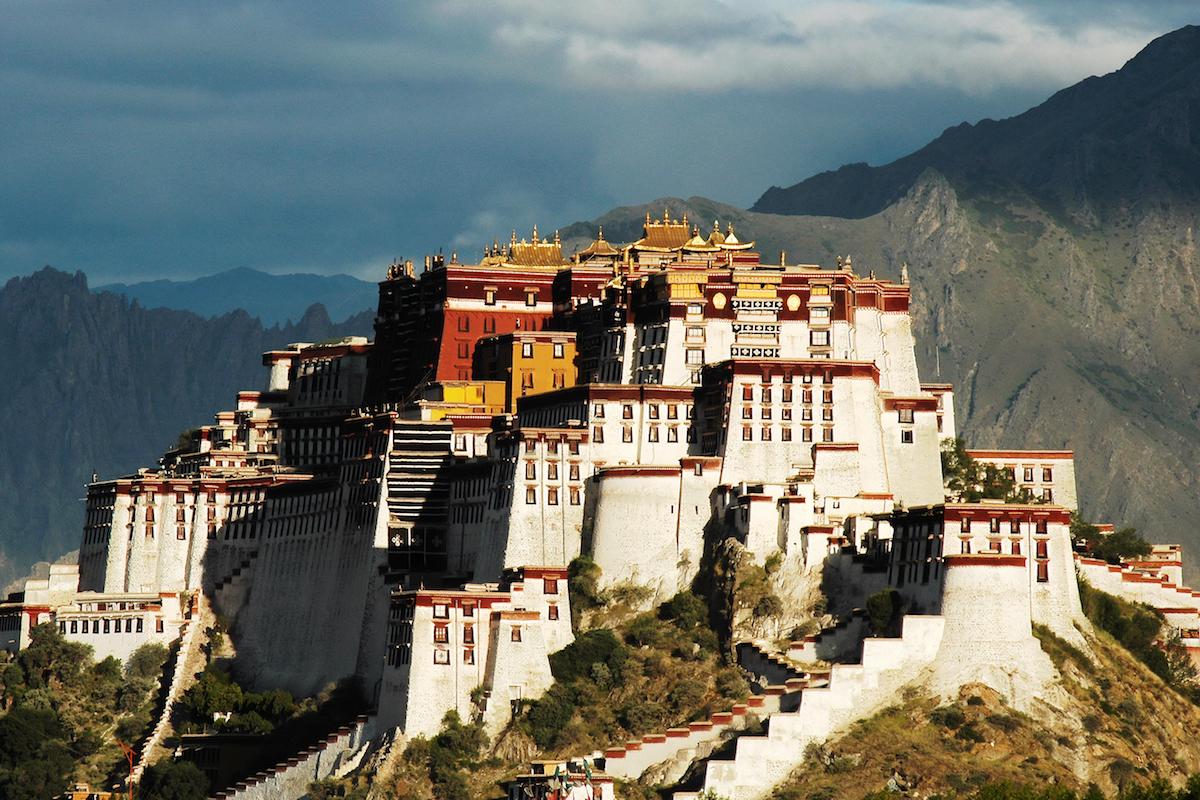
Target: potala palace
403 511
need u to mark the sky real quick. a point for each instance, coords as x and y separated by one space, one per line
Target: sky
174 139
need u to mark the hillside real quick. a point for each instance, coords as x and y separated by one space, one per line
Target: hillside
274 299
1062 302
97 384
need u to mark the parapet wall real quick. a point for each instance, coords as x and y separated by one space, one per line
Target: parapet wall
290 779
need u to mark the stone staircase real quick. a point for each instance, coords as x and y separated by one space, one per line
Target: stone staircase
853 691
230 593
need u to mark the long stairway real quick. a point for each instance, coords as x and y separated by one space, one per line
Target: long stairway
853 692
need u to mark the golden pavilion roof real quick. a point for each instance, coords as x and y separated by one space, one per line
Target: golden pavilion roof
663 235
599 248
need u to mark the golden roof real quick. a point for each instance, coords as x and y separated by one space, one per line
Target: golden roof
526 253
665 234
599 248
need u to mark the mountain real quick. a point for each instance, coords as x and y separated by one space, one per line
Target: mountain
1092 152
1056 276
275 299
99 384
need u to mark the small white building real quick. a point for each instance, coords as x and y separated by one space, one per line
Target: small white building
1048 475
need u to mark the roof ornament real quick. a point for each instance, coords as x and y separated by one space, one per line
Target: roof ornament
783 258
904 273
839 262
556 239
684 220
849 264
871 274
535 233
514 237
716 226
666 214
647 217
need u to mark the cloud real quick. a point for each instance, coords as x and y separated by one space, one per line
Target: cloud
173 139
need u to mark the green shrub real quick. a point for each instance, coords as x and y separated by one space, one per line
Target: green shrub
969 733
947 716
639 716
600 646
686 695
883 611
548 716
686 610
173 780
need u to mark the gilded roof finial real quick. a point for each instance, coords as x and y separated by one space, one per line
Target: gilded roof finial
666 214
535 234
730 231
514 237
556 239
716 226
600 234
904 273
783 258
647 217
849 264
684 220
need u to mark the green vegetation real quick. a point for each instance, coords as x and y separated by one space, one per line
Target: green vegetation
885 609
969 481
1123 543
251 712
173 780
1139 629
658 669
1006 790
65 712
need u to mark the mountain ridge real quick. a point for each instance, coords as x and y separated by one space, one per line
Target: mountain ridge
273 298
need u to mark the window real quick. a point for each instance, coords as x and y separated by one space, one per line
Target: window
747 412
695 357
526 349
766 433
1047 474
1040 526
994 524
695 309
574 496
766 394
695 334
626 411
550 585
573 448
441 634
806 378
827 434
469 656
806 395
994 545
139 625
464 324
1014 527
552 467
441 611
552 496
966 545
468 634
820 290
806 434
653 407
652 435
1047 495
573 472
747 392
531 297
489 298
516 633
598 434
965 525
441 656
1027 474
489 325
1016 547
530 496
1043 571
1043 548
905 415
766 413
468 609
806 414
74 626
906 437
819 313
827 414
530 445
530 470
818 338
672 434
552 612
747 433
558 350
626 433
598 411
158 625
827 396
786 434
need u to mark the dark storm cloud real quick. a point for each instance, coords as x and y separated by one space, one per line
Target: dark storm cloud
171 139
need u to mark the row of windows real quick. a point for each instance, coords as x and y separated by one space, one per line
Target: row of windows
107 625
785 433
785 413
552 446
531 495
652 434
766 394
551 471
652 411
1014 526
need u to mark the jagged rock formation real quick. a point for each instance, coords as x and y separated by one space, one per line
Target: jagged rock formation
1055 273
97 384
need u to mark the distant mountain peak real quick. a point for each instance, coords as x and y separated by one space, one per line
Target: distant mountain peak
1089 150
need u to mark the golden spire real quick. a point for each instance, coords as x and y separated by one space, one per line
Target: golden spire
514 237
716 226
556 239
600 234
535 233
666 214
647 217
684 220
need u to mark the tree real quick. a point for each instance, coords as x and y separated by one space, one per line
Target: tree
967 480
147 661
173 780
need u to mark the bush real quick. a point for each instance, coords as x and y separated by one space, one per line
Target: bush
686 695
883 611
598 646
146 662
947 716
583 587
639 716
686 610
548 716
173 780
